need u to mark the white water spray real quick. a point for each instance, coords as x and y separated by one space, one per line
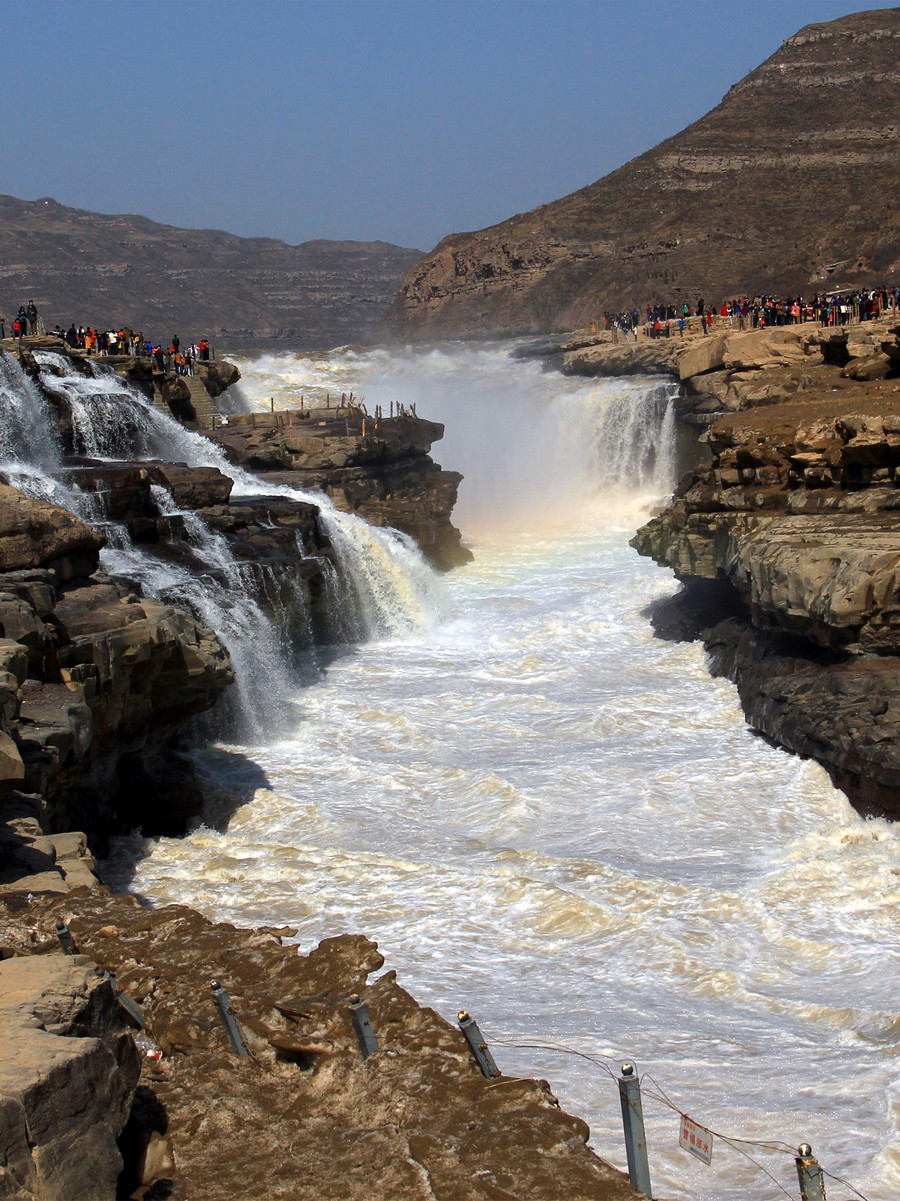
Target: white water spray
528 463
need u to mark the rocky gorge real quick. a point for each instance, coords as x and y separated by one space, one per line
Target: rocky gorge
101 684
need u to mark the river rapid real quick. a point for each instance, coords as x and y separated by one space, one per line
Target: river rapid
548 817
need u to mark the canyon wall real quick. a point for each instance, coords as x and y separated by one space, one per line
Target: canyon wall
119 1079
786 542
106 270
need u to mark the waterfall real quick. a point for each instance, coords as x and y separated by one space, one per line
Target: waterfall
30 449
390 586
384 586
537 449
235 599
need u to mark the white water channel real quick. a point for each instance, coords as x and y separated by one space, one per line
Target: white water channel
550 818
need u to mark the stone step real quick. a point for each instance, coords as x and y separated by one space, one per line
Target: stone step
203 403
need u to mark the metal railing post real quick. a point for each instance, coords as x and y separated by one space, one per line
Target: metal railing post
229 1021
633 1122
130 1006
812 1183
365 1031
67 942
477 1045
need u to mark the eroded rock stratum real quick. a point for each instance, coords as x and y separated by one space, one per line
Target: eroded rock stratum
788 184
787 543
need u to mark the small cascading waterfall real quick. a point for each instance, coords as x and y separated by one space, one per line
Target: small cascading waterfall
385 588
231 598
390 589
633 440
30 449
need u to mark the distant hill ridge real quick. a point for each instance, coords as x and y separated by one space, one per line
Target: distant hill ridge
113 269
790 184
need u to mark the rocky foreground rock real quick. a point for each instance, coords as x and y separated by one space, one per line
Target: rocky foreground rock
68 1072
302 1117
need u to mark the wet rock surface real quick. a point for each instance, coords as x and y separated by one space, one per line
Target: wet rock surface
303 1116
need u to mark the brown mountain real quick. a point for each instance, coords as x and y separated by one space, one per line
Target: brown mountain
240 292
791 181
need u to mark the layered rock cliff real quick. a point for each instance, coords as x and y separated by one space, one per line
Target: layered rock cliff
104 269
787 544
788 185
93 680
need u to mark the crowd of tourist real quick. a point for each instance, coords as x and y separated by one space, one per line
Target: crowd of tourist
745 313
105 342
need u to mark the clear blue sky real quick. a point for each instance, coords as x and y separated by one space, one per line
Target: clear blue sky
403 120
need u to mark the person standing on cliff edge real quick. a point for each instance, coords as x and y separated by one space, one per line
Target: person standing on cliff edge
32 317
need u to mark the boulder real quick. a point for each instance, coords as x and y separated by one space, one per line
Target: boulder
34 533
873 366
192 487
217 375
68 1069
761 348
702 355
123 489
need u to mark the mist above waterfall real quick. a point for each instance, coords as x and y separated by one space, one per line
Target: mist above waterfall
537 450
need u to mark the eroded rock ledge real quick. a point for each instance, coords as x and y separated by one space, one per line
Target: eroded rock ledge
94 680
788 545
380 470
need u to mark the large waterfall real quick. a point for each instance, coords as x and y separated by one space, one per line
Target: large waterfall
550 818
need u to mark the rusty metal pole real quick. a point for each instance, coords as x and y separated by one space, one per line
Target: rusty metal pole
633 1122
477 1045
67 942
812 1183
229 1021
